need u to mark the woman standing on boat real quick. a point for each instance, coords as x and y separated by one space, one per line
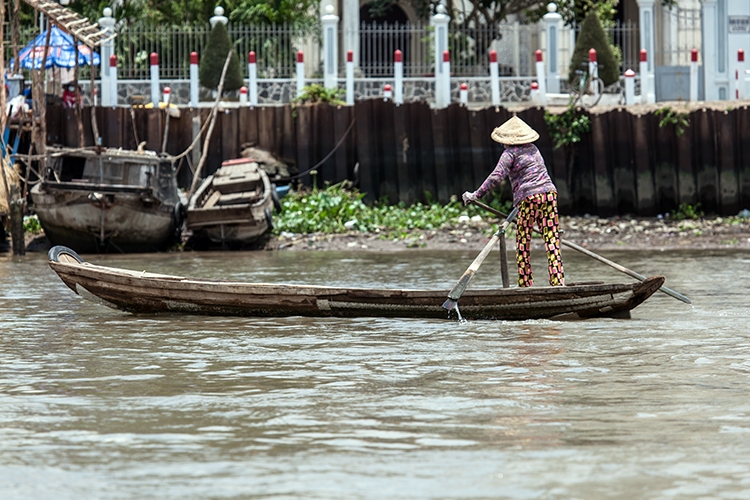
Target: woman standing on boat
533 193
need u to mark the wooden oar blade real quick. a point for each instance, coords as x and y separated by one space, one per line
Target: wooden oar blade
450 304
460 287
463 282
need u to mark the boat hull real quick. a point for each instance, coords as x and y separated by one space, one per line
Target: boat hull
108 200
142 292
232 206
127 222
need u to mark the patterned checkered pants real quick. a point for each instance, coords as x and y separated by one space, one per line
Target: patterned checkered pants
542 209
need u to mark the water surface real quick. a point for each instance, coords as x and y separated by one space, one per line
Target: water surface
95 403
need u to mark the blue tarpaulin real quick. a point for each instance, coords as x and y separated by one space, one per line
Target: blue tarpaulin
61 52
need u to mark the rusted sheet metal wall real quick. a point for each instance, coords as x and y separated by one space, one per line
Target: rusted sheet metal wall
628 164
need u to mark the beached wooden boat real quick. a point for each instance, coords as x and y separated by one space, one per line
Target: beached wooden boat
108 200
234 205
144 292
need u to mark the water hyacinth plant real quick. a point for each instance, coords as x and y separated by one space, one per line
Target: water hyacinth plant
337 209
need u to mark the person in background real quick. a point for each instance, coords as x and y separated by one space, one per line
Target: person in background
533 193
69 95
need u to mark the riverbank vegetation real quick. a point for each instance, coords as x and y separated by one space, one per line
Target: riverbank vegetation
336 218
340 209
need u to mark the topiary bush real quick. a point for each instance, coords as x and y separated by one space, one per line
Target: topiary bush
592 35
218 46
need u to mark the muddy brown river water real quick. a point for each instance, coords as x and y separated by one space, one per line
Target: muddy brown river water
99 404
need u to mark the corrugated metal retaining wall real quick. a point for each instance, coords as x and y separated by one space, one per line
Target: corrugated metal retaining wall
628 164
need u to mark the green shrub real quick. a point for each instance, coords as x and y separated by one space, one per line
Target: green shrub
213 58
567 128
687 211
592 35
336 209
669 116
316 92
31 224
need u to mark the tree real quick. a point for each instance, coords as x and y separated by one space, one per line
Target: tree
575 11
486 12
300 14
214 56
153 12
592 35
475 20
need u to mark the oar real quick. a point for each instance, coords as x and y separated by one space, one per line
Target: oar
463 282
591 254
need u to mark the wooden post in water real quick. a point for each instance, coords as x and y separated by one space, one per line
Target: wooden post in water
504 262
10 186
16 205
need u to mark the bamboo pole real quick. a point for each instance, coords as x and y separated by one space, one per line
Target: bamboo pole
3 119
94 123
14 29
199 168
12 191
78 103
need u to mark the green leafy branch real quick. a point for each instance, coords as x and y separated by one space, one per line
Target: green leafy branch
316 92
567 128
670 116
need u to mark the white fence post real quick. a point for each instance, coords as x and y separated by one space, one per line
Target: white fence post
739 70
440 22
252 73
647 80
494 78
398 76
553 20
155 79
464 94
646 28
534 93
694 75
194 79
387 92
629 87
350 77
300 72
166 95
243 96
113 95
330 23
541 78
446 78
713 88
218 17
107 49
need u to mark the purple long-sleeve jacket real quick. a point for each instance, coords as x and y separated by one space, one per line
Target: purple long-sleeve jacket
525 167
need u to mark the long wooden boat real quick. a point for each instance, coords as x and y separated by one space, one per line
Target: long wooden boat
232 206
108 200
144 292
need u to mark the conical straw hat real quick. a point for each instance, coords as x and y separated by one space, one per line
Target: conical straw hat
513 132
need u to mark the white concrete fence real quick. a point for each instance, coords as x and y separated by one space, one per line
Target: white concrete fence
443 89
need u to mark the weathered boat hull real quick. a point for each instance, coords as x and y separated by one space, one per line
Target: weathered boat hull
129 222
142 292
234 205
100 200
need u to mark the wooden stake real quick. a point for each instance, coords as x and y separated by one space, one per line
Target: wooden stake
199 168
